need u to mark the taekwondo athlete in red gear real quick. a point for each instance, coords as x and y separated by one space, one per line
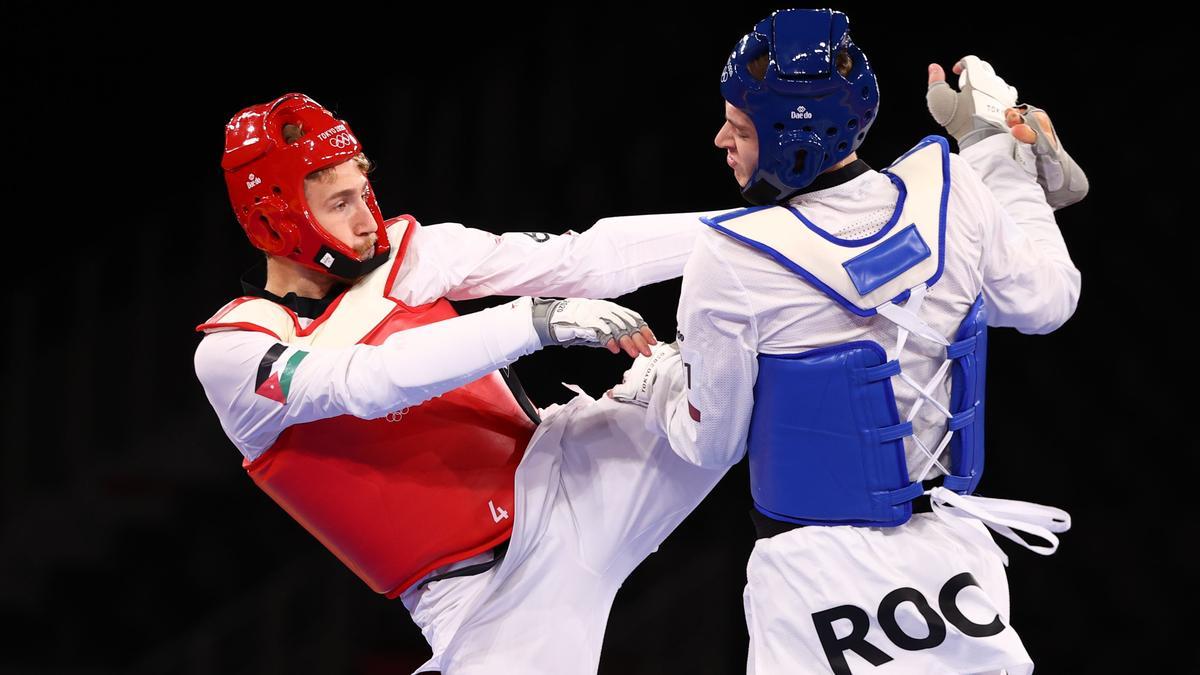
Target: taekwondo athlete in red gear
378 420
836 333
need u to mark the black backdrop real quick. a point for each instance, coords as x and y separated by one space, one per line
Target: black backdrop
132 541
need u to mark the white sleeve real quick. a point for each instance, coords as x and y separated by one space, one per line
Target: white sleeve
703 404
1029 280
362 380
613 257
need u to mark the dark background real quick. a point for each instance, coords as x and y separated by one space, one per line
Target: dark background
132 541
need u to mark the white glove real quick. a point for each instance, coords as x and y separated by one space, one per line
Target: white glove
638 384
578 321
976 111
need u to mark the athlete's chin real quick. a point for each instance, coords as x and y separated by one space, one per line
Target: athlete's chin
367 250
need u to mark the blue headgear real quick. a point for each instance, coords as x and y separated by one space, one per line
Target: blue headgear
807 116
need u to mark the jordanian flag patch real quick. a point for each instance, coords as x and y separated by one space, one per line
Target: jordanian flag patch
275 372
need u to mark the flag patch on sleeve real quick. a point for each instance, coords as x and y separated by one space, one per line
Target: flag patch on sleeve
275 372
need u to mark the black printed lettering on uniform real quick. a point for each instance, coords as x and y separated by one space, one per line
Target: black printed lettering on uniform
539 237
947 602
856 641
887 620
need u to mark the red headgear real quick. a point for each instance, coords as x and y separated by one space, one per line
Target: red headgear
265 175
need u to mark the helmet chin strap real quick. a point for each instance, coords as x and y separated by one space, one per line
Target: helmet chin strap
764 190
761 193
341 265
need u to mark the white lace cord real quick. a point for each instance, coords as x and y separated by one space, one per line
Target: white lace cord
906 318
1004 516
907 321
932 455
915 298
912 414
924 392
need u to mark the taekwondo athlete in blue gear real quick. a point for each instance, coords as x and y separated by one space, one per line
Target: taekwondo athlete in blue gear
837 333
809 117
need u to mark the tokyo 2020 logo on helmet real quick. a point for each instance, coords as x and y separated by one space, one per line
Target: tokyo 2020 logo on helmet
809 114
265 175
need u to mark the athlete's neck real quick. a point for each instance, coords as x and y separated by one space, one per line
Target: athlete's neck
288 276
849 160
843 172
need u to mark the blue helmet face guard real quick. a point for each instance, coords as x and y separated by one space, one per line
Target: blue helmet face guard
807 115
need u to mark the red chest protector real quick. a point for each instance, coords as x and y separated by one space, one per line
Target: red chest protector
396 497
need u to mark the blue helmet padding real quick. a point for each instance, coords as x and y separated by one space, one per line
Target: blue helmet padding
807 116
808 42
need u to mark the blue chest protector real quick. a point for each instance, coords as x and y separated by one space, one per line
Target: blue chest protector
826 442
826 439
